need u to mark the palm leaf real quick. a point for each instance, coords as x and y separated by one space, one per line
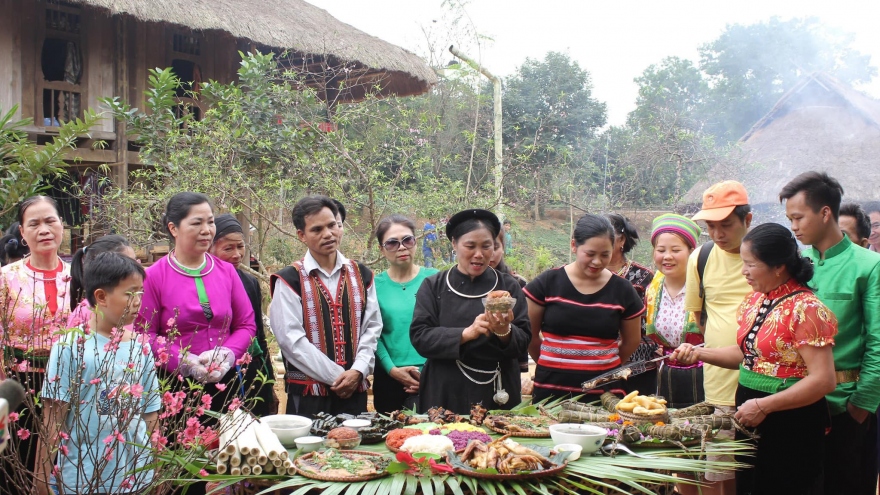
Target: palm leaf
372 486
355 488
454 485
426 486
397 484
412 484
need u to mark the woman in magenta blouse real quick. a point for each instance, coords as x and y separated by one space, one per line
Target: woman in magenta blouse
195 308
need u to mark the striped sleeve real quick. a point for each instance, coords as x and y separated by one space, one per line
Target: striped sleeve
536 289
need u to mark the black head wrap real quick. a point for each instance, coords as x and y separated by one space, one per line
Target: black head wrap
226 224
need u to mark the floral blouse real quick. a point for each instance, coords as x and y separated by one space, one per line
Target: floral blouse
27 325
668 323
797 320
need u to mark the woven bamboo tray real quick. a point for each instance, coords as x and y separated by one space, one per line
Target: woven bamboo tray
322 477
639 418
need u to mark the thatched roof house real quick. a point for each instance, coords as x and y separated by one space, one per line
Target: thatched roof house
316 37
820 124
61 56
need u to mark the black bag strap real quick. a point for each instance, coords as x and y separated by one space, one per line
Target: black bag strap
701 269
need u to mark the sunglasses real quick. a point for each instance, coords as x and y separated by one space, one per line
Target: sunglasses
394 244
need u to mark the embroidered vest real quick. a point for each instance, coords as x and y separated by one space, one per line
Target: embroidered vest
332 322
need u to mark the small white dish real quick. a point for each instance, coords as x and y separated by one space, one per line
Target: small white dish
589 437
357 424
574 448
309 444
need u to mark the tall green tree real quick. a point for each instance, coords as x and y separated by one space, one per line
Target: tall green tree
674 85
750 67
548 111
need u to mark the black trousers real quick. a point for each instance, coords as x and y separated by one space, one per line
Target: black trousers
332 404
851 456
388 393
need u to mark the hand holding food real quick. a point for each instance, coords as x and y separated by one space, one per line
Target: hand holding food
641 405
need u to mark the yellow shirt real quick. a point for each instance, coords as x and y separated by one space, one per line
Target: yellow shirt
725 289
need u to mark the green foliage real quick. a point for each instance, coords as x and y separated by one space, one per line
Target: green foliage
25 164
673 85
550 116
259 147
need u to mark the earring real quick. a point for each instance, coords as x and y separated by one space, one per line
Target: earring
23 242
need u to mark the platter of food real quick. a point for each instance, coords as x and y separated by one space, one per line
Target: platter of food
378 427
505 459
342 465
516 425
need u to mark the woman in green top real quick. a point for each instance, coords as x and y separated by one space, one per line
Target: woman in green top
396 377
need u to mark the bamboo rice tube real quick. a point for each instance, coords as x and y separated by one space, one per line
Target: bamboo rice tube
287 463
583 416
291 471
262 460
573 405
609 401
247 441
277 463
257 470
221 468
235 471
245 470
268 468
222 457
268 440
226 438
701 409
235 459
251 460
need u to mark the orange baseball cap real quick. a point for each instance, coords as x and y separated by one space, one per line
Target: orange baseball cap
720 200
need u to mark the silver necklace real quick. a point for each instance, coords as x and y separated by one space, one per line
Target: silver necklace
501 396
182 269
467 296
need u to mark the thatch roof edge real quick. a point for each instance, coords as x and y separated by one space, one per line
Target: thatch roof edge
283 24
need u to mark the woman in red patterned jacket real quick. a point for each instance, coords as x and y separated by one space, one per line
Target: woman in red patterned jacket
786 366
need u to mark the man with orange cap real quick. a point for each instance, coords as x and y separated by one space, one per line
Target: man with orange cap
714 290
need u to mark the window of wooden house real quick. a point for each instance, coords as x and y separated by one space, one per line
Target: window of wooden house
186 57
60 73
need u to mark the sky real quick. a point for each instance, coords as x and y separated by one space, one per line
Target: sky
615 41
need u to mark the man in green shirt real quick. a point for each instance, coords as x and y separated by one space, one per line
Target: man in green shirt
847 280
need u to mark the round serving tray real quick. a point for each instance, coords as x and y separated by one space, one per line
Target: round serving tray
521 434
511 477
321 477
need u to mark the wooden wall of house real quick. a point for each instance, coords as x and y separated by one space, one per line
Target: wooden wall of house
117 53
11 53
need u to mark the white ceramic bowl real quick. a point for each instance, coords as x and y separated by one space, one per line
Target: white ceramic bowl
309 444
574 448
357 424
589 437
288 427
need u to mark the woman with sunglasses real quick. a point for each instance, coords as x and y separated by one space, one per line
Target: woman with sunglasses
396 377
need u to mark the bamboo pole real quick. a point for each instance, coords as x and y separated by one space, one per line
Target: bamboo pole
499 158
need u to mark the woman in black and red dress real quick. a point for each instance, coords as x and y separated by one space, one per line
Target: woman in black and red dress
585 320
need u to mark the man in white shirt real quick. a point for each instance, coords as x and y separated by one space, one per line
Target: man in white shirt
325 317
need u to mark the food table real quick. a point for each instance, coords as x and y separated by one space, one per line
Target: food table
596 473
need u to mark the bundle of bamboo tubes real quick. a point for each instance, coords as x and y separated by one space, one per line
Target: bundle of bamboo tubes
249 447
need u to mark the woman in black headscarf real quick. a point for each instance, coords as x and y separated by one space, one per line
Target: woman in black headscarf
229 246
471 352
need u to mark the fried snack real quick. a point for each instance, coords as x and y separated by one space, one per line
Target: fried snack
642 405
499 301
